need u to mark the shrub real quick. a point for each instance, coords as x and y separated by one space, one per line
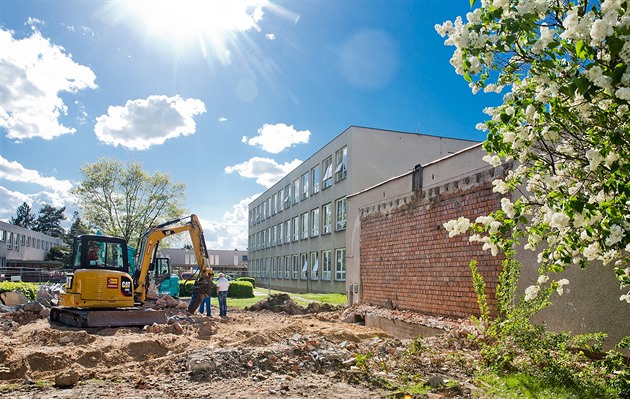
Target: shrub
28 289
250 279
241 289
185 287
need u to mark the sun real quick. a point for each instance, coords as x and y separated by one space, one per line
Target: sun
188 24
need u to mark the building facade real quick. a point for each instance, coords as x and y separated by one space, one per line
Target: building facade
298 228
22 251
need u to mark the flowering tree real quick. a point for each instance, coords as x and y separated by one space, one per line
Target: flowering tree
564 121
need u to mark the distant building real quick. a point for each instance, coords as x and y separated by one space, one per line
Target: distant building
182 260
23 250
297 229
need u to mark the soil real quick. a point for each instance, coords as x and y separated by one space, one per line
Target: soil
276 349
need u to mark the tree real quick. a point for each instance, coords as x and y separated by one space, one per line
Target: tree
24 217
564 120
49 221
123 200
76 229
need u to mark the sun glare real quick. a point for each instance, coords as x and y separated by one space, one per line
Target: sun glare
208 24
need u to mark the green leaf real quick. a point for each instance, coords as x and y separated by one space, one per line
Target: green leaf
472 2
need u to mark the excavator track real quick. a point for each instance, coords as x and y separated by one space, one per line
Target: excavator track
83 318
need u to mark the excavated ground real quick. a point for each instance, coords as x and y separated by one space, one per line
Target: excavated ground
269 351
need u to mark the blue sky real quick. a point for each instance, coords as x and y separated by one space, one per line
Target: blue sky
226 96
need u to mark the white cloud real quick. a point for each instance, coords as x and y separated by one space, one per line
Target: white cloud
222 119
266 171
270 36
13 199
55 193
34 72
278 137
14 171
143 123
231 232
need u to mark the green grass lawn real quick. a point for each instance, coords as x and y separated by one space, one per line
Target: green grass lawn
300 299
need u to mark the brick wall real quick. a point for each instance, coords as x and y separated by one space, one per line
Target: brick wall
409 262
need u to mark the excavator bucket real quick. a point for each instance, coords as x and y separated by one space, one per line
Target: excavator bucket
194 304
83 318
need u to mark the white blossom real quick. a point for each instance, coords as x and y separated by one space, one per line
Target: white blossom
561 284
616 234
508 207
531 292
457 226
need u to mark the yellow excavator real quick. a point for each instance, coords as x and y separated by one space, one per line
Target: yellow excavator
102 291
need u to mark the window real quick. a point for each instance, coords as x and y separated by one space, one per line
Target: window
305 186
327 179
327 225
340 264
280 233
10 240
273 267
279 266
315 222
264 210
315 180
273 204
269 237
304 259
287 196
342 164
280 200
296 191
16 242
296 266
3 235
326 264
23 237
314 266
258 213
274 235
287 231
287 267
235 261
340 207
296 229
304 223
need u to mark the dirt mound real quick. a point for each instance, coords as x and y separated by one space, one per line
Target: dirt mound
279 303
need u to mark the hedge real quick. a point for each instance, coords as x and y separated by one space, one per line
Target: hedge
250 279
238 289
28 289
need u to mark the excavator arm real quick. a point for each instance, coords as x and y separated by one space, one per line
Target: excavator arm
151 240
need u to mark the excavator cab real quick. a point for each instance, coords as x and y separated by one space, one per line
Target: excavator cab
103 259
165 280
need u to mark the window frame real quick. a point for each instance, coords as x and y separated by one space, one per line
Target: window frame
327 177
340 219
340 264
341 158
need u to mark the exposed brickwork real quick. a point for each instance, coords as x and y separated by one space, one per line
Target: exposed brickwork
409 262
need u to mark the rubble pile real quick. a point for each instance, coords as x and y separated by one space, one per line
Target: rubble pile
293 356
